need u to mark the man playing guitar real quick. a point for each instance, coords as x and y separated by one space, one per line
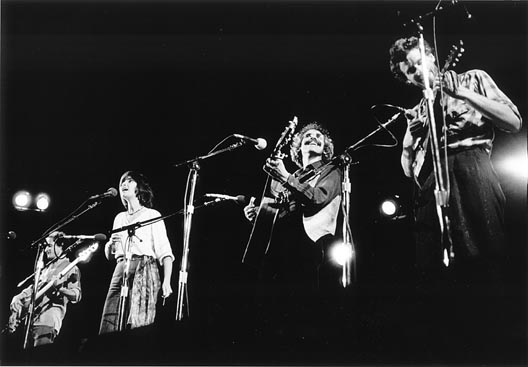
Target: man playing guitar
306 224
50 309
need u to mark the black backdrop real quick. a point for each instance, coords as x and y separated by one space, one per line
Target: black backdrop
91 89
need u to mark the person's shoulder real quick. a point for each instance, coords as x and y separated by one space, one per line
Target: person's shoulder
120 215
474 72
152 212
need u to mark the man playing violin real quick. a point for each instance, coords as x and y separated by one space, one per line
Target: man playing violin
473 107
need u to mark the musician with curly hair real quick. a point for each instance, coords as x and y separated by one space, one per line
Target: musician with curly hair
306 225
474 108
462 292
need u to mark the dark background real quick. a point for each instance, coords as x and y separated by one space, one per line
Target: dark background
92 89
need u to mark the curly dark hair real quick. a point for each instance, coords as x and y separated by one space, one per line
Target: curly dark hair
398 53
144 192
295 149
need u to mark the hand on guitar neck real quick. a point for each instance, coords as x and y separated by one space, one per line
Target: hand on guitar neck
276 169
20 302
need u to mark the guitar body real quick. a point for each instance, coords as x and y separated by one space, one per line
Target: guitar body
262 231
274 198
44 294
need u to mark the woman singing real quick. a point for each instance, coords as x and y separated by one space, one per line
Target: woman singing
137 254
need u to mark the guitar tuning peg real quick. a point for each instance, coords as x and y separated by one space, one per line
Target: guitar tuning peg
462 50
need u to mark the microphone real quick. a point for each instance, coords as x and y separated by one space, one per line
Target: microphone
259 142
110 193
239 199
401 109
408 112
98 237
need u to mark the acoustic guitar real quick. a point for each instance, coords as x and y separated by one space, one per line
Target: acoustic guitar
274 197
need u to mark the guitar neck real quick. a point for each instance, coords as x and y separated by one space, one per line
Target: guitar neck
61 275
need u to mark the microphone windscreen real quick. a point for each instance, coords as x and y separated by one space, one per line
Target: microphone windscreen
100 237
241 199
261 144
112 191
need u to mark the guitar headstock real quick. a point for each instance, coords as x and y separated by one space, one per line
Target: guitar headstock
454 56
285 138
85 254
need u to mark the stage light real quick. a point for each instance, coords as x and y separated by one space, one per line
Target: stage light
22 200
389 207
516 166
42 201
341 253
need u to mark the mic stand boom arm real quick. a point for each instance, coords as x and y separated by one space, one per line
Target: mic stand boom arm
340 158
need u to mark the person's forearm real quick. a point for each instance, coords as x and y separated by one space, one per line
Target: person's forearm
71 294
407 158
167 268
498 113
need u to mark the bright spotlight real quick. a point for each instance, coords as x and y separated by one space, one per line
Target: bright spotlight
24 201
389 208
21 200
341 253
516 166
42 201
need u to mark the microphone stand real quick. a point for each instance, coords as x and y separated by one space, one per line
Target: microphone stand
121 323
347 237
39 266
187 224
441 172
345 160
